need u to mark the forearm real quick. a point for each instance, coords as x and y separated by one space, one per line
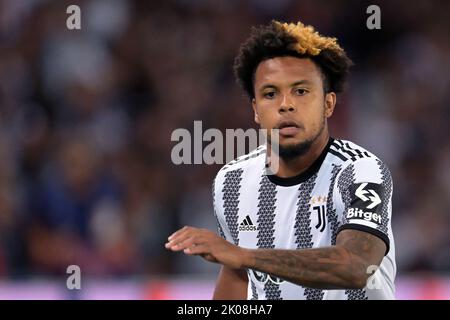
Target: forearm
343 266
325 268
231 285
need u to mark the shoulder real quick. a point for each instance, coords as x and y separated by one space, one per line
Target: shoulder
253 160
347 152
358 165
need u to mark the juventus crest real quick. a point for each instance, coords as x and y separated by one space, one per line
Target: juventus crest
318 206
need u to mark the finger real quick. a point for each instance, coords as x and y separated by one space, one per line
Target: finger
198 234
178 232
180 237
198 249
174 245
183 233
186 243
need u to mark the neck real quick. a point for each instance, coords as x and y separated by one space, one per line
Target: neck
292 167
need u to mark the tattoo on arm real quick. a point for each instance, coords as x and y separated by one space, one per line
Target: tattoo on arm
343 266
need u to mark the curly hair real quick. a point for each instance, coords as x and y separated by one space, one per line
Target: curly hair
282 39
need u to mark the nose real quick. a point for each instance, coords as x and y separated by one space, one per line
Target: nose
286 105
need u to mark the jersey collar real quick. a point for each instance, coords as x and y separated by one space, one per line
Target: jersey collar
305 175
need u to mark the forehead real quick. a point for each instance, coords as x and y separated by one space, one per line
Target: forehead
286 70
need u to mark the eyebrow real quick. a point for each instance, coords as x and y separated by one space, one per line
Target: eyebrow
296 83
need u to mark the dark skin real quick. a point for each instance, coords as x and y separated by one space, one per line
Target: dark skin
288 88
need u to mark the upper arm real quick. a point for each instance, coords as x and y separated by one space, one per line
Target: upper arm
231 284
364 191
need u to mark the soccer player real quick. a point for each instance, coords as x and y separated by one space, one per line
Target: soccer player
320 228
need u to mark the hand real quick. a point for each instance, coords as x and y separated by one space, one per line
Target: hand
208 245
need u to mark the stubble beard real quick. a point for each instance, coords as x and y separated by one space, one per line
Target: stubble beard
293 151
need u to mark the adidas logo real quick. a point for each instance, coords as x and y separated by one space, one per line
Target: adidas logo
247 224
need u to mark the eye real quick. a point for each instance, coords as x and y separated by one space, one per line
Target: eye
269 94
300 91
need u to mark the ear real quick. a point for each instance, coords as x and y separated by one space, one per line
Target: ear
330 103
255 111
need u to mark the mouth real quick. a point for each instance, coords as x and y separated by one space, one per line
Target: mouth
288 128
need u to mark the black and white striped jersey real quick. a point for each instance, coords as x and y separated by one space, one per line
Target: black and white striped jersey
347 187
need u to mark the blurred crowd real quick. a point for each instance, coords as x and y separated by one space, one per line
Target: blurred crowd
86 118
